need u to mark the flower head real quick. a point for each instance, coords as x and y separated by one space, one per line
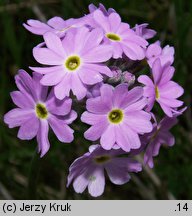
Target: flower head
143 31
37 110
88 170
75 61
154 52
117 117
162 89
120 36
159 136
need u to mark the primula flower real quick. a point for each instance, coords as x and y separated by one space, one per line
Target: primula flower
154 51
159 136
117 117
88 170
162 89
37 111
120 36
94 91
56 25
143 31
76 61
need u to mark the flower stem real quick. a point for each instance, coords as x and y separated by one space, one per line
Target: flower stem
33 177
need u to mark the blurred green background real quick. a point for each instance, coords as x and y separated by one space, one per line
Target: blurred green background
172 176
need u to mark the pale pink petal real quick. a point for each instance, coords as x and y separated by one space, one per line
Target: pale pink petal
16 117
53 42
100 68
98 54
58 107
140 120
53 78
115 21
95 105
77 87
91 118
133 51
117 174
29 129
95 131
132 96
168 73
45 70
108 137
145 80
171 90
42 138
80 183
119 91
96 186
47 57
63 88
101 20
89 77
22 100
94 39
63 132
107 95
157 71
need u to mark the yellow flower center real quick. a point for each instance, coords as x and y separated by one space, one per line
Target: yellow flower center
72 63
157 94
116 116
102 159
113 37
41 111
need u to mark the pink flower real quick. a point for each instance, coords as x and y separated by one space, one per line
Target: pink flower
154 51
120 36
88 171
75 61
143 31
117 117
37 111
162 89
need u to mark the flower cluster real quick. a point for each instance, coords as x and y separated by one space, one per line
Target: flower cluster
97 60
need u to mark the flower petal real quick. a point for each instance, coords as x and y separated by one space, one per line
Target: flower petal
91 118
96 187
101 20
42 138
108 137
98 54
146 80
95 105
115 21
63 132
47 57
117 175
53 78
77 87
53 43
29 129
89 77
58 107
157 71
16 117
22 100
95 131
63 88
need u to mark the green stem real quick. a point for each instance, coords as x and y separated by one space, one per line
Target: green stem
33 177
